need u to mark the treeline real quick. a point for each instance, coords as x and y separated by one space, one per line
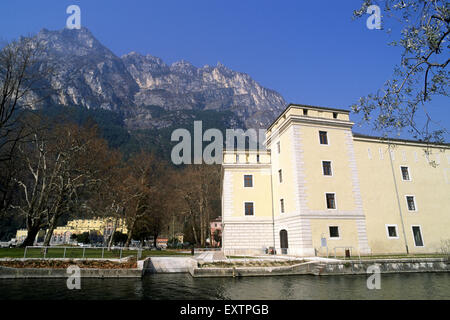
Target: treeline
62 170
55 168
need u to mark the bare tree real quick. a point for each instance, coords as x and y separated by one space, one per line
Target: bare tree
22 71
198 186
145 182
422 73
60 165
110 198
82 161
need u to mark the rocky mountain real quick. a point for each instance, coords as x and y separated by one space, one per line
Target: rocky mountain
85 72
139 87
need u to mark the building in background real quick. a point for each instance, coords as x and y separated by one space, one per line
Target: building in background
321 188
216 231
180 237
161 242
62 235
21 235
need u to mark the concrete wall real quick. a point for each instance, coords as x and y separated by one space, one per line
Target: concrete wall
301 268
330 268
168 265
387 266
17 273
248 238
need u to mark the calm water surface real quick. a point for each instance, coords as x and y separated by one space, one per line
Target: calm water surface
183 286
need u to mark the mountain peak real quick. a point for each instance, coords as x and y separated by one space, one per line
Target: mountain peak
183 66
78 42
92 76
67 32
182 63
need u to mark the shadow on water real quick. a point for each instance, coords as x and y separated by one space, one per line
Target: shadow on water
183 286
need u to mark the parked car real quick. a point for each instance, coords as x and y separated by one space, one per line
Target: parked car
11 243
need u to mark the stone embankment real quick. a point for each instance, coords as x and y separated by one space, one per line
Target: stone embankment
385 266
127 268
266 267
57 268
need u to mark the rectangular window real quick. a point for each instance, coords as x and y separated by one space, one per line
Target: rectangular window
334 232
418 241
405 173
248 181
323 137
392 231
249 209
280 175
335 115
278 147
326 168
257 158
331 203
411 203
282 205
305 112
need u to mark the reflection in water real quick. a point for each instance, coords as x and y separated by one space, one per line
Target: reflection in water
183 286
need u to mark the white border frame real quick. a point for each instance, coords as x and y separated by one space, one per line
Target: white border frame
331 167
415 203
396 231
421 235
328 137
335 201
329 235
243 179
409 172
254 208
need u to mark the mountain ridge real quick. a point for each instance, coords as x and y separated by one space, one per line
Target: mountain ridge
91 75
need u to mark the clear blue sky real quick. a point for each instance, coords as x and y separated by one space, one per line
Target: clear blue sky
311 52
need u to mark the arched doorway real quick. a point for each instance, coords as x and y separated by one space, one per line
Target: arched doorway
283 241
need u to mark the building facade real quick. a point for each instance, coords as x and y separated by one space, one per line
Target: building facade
320 189
215 227
62 235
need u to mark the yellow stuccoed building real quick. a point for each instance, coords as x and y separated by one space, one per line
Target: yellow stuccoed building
320 189
62 234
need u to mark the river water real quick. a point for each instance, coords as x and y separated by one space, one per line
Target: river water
183 286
